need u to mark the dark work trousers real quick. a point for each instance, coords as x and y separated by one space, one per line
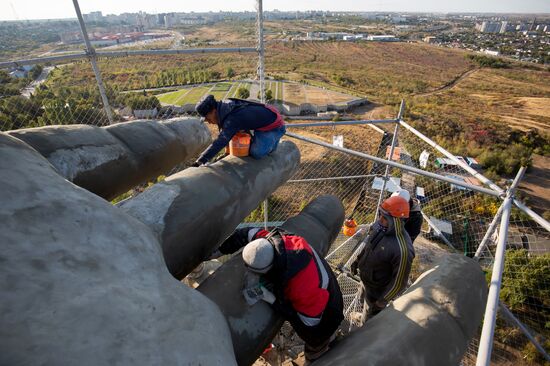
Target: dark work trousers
319 336
368 297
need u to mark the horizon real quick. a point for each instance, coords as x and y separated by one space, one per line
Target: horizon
285 11
24 10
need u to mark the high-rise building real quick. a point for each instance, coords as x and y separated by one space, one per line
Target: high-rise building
490 27
94 16
169 20
503 27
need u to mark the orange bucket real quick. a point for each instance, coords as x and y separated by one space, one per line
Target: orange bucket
350 227
240 144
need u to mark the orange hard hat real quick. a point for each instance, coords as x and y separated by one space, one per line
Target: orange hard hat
396 206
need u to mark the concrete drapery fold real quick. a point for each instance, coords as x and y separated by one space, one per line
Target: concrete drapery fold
84 283
193 211
432 323
253 327
109 161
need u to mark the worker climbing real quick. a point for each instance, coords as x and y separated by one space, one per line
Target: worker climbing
235 115
413 224
287 273
385 262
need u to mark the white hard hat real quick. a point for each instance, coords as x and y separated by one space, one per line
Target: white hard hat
402 193
258 255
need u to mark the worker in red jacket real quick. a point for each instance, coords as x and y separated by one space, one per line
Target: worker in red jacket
302 287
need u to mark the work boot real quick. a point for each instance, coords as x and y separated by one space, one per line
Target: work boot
314 353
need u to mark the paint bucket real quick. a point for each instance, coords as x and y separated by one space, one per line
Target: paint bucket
240 144
350 227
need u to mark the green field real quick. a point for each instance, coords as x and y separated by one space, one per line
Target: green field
184 96
280 95
276 89
225 90
222 87
240 85
233 90
193 95
171 98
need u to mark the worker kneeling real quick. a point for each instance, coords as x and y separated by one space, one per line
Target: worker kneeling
385 262
295 280
234 115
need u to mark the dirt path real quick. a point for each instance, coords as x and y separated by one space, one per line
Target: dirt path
450 84
536 184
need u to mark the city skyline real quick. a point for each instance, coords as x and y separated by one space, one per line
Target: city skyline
36 9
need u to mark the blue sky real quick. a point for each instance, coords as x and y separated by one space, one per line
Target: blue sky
44 9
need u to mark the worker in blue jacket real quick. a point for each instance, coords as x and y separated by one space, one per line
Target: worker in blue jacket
234 115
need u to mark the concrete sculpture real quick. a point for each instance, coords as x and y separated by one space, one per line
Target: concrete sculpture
109 161
84 283
431 324
193 211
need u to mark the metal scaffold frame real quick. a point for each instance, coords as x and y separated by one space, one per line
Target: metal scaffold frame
501 218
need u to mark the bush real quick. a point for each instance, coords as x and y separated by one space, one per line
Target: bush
343 80
243 93
268 95
230 72
506 161
141 102
525 288
492 62
35 72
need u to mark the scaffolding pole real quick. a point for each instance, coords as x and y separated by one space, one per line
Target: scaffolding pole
540 220
260 31
261 76
489 319
462 164
489 232
348 177
92 56
340 123
438 232
396 165
392 149
515 321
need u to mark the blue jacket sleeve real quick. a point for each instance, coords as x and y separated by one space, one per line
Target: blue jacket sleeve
219 143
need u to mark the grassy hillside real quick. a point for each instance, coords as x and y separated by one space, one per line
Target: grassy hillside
384 72
475 110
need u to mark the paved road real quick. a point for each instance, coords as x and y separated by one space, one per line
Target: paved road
27 91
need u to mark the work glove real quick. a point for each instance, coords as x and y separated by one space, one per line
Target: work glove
267 295
196 164
254 294
220 157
